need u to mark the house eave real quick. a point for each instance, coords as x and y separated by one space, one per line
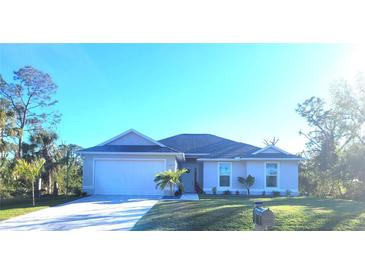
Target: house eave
247 159
178 155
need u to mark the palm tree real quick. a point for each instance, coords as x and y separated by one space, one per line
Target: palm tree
44 142
170 178
29 172
247 182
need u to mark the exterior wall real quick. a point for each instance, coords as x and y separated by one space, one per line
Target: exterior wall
131 139
239 169
200 174
257 170
288 176
210 176
88 172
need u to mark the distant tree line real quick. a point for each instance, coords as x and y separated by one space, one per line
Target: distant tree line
335 148
28 122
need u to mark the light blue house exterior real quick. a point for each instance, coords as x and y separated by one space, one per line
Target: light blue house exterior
127 163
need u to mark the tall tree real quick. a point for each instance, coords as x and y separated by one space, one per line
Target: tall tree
334 128
31 99
70 160
7 127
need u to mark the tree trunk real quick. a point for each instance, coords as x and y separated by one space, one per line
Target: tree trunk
67 178
172 194
248 192
37 191
20 147
33 196
339 189
49 183
55 188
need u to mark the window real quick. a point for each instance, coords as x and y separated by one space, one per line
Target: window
271 174
224 174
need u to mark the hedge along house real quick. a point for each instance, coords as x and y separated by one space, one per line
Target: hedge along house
128 163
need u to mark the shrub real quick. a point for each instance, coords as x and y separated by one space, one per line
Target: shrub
355 190
214 190
288 193
247 182
78 192
237 192
264 193
227 192
275 193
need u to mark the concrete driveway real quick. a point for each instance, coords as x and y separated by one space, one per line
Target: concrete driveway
105 213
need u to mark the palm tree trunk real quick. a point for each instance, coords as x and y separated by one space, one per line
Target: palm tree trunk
67 178
49 183
33 196
172 194
55 188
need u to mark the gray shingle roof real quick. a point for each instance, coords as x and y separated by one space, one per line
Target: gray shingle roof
217 147
210 145
124 148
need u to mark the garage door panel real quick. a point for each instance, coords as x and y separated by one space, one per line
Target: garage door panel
128 177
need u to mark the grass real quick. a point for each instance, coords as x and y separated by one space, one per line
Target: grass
232 213
10 208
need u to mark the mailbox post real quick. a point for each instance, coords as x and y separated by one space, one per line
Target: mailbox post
262 217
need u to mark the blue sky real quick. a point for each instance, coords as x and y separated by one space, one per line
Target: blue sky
245 92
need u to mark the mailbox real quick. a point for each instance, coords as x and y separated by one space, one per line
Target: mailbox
263 218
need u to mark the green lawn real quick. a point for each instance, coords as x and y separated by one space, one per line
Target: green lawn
235 213
14 207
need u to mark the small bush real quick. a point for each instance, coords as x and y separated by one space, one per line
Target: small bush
227 192
214 190
237 192
288 193
77 192
264 193
275 193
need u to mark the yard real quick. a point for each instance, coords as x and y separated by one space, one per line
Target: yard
231 213
14 207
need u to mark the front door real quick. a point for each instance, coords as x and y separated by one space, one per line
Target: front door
189 179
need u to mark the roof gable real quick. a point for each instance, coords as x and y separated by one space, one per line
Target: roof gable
271 149
131 138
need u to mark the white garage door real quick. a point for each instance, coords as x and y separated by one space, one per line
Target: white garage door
127 177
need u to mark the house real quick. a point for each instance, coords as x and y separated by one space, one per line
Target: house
127 164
